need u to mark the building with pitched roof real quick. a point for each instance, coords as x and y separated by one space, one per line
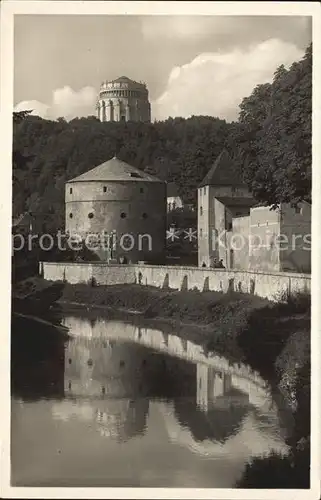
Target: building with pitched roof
245 236
121 209
222 196
123 99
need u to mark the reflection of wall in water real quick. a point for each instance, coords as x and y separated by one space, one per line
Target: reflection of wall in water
98 367
219 409
213 385
125 356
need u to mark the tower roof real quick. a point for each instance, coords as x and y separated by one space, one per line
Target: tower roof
115 170
125 79
225 172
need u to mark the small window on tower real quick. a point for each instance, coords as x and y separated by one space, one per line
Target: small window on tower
141 190
201 210
70 190
105 189
90 215
123 215
70 216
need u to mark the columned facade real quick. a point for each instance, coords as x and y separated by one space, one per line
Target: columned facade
123 100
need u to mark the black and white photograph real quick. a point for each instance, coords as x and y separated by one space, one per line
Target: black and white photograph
159 168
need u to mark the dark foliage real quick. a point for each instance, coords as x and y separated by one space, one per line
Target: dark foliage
51 153
37 360
276 471
270 329
273 135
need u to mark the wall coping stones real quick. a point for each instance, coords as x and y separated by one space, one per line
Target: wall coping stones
180 268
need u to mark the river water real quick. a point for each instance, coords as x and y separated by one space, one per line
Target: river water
123 404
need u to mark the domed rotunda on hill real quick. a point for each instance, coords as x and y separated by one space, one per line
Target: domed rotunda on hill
118 199
123 99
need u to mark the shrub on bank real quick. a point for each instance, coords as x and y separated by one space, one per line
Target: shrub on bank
277 344
277 471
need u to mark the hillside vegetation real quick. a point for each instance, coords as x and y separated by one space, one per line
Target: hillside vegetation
271 142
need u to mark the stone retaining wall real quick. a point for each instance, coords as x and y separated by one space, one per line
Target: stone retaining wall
274 286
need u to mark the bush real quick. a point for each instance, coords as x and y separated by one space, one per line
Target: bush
277 471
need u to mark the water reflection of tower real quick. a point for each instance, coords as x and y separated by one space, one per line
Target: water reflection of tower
219 408
210 385
111 377
98 367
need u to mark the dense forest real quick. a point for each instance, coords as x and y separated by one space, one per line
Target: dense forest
271 141
175 150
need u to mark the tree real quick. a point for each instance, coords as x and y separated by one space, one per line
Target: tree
274 135
175 150
19 163
19 116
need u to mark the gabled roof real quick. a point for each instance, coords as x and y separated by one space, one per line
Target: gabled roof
225 172
115 170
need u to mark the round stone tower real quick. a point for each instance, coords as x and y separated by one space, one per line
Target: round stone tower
123 100
119 211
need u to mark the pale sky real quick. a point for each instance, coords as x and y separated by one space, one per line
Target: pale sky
192 65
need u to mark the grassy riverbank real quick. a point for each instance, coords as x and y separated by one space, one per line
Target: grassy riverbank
273 339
